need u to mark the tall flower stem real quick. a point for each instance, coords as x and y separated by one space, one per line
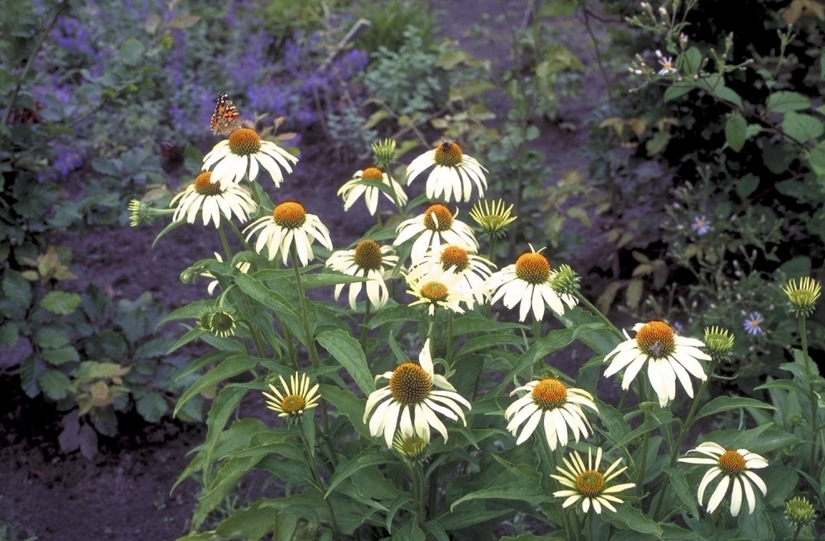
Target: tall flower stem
812 398
311 349
674 452
320 481
418 494
599 314
645 440
227 250
367 315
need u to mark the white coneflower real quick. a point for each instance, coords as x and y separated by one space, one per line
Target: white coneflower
435 227
454 173
243 152
588 485
289 224
211 200
369 260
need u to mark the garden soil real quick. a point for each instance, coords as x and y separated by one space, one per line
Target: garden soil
124 493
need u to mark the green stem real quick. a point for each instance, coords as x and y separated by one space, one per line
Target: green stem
536 327
597 313
645 439
796 532
591 529
320 481
449 353
812 397
364 325
311 349
418 494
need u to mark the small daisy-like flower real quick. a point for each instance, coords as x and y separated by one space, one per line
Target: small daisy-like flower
243 152
587 484
242 266
666 62
454 173
296 398
355 188
735 468
369 260
411 446
558 405
802 296
753 323
492 218
289 224
529 282
218 322
799 512
719 342
669 357
473 270
411 400
435 227
700 225
212 199
436 287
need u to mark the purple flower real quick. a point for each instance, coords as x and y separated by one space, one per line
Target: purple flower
753 323
701 225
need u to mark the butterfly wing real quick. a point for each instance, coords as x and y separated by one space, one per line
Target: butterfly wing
226 117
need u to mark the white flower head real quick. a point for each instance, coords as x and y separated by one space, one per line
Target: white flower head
413 400
434 286
735 467
558 406
454 174
436 226
243 152
529 282
588 485
355 188
369 260
472 270
288 224
668 356
212 200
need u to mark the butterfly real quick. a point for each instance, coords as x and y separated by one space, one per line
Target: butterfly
226 117
171 157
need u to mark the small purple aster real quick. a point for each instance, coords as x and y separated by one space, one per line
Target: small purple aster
701 225
753 323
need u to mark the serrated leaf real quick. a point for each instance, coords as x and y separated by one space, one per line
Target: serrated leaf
630 518
152 407
58 356
802 128
54 384
785 102
60 302
347 351
30 369
364 459
16 288
9 334
131 52
51 337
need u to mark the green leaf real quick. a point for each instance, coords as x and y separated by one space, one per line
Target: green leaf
56 357
347 351
231 366
524 490
689 62
9 334
746 185
677 90
755 526
348 405
60 302
785 102
16 288
30 369
131 52
92 370
676 478
250 524
55 384
51 337
326 279
802 128
736 131
558 8
364 459
152 406
630 518
726 403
